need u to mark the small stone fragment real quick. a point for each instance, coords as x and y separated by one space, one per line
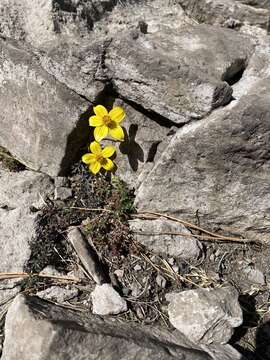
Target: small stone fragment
58 294
107 301
206 316
119 273
137 267
161 281
61 181
136 289
255 275
87 255
50 270
62 193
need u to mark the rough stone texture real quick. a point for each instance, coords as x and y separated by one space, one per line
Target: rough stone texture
206 315
62 193
50 20
58 294
258 68
18 191
77 65
182 75
42 121
264 4
39 330
107 301
226 181
146 136
228 13
185 248
255 275
79 32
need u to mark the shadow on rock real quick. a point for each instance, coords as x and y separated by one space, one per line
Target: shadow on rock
262 351
131 148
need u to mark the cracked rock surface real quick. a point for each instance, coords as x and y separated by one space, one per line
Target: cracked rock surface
52 332
18 191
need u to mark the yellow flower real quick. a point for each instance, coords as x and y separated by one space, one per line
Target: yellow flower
99 158
107 123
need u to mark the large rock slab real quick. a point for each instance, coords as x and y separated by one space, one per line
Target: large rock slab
206 315
43 123
229 13
180 75
220 168
48 21
18 191
40 330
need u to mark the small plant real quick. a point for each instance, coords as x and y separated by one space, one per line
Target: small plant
105 123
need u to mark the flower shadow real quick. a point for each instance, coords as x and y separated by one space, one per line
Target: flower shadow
131 148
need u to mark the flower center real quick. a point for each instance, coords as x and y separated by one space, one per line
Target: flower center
100 159
107 120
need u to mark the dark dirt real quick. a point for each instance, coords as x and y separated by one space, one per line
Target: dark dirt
9 162
141 277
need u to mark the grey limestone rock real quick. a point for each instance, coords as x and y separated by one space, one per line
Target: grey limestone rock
42 121
155 235
226 180
179 75
42 331
206 315
233 13
107 301
87 255
18 191
58 294
62 193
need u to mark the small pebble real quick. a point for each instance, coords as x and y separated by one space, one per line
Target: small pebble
136 289
61 181
137 267
119 273
255 276
161 281
139 313
62 193
107 301
176 269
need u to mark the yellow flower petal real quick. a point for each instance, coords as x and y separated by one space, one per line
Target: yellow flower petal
88 158
95 148
117 114
95 120
100 110
100 132
108 165
108 151
95 167
117 133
